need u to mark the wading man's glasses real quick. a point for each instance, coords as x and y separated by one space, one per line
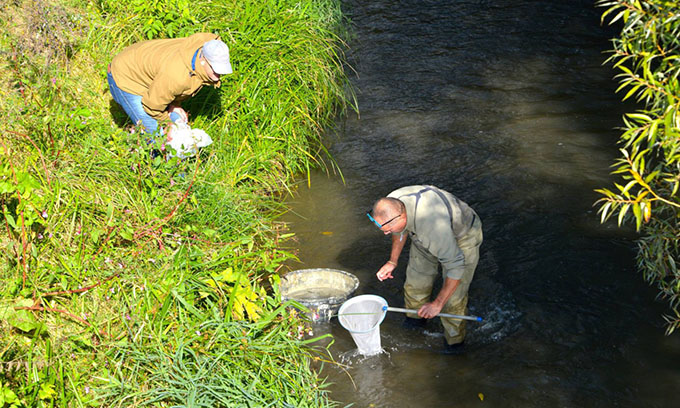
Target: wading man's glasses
368 214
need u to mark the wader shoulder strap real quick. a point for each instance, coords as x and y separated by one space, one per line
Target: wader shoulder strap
441 195
448 207
447 204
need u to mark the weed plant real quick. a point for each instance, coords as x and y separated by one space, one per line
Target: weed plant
133 281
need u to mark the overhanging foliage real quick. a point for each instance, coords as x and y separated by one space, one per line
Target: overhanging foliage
647 54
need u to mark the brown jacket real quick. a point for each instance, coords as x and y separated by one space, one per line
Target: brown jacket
160 71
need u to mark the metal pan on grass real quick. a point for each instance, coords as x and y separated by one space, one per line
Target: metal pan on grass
322 290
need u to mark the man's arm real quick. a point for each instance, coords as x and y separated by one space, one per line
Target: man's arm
432 309
398 242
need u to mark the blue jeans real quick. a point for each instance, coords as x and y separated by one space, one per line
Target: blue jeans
132 105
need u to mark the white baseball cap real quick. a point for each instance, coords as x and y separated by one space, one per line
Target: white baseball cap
216 53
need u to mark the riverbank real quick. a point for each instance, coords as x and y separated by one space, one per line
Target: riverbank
135 282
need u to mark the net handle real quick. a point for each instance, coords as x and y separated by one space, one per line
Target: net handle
414 311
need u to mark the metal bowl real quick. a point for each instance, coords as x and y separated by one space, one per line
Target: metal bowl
322 290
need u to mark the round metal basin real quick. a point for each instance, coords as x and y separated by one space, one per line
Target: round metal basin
322 290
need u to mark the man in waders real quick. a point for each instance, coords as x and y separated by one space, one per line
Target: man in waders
149 79
443 230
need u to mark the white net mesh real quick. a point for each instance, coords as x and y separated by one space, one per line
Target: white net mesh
361 316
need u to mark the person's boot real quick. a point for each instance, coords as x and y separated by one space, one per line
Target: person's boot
453 349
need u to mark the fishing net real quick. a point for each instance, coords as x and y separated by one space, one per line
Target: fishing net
361 316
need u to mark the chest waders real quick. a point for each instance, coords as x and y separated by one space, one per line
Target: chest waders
422 271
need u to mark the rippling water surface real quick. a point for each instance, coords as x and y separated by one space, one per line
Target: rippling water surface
507 105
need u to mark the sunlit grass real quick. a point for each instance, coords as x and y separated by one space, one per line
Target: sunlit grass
131 281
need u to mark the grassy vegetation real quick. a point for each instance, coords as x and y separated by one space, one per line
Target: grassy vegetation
131 281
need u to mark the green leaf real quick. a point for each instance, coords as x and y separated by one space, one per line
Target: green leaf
227 275
46 391
631 92
639 116
7 396
622 213
10 220
637 212
82 341
126 234
6 187
627 187
651 133
5 311
605 211
187 304
95 234
109 213
22 320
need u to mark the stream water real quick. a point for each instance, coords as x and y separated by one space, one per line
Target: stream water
506 104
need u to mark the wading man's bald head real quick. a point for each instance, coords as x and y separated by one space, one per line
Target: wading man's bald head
388 207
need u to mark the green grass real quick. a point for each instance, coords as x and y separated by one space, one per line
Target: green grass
126 281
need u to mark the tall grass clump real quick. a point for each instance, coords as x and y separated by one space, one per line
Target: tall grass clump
127 280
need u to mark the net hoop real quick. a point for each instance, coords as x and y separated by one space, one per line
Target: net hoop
358 299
